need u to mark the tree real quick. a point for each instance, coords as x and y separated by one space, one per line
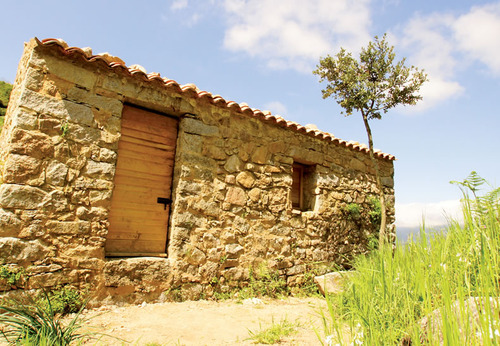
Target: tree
371 85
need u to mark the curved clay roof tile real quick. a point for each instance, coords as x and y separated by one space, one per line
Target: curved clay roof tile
137 71
58 41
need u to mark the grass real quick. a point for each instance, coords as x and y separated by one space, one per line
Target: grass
275 333
28 322
434 277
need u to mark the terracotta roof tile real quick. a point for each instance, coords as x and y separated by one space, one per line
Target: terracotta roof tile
191 90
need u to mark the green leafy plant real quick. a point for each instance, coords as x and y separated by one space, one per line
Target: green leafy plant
223 259
275 333
11 274
353 211
64 129
26 322
264 282
62 300
375 212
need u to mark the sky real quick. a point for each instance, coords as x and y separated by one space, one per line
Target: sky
263 52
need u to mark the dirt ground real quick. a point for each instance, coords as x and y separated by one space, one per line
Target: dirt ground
206 322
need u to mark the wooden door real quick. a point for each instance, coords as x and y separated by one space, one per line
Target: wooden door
138 219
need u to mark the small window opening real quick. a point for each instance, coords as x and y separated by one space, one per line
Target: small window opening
303 185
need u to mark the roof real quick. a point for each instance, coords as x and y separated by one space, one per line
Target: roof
190 90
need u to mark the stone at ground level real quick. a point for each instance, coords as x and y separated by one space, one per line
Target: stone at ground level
332 282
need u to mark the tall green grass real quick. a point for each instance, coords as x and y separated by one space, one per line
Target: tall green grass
433 277
29 322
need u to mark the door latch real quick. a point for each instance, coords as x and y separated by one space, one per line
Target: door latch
164 201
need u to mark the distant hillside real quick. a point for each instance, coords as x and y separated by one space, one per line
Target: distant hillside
403 233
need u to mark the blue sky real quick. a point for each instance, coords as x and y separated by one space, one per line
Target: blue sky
262 52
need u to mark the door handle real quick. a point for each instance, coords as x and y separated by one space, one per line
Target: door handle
164 201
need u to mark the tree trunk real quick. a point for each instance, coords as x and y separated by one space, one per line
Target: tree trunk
382 238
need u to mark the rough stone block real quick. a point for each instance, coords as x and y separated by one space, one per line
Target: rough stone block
214 152
260 155
22 169
14 250
55 201
22 119
100 170
235 195
81 95
197 127
245 179
54 279
82 134
195 256
14 196
233 164
70 72
100 198
191 142
295 270
327 181
10 224
68 227
62 109
277 147
387 181
254 194
189 187
234 250
55 173
332 282
139 270
31 143
34 79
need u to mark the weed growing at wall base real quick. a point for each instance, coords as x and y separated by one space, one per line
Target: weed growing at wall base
439 289
25 322
62 300
12 275
275 333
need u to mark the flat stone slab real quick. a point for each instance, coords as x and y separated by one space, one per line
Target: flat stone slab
332 282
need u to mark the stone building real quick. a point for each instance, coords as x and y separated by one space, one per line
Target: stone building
133 185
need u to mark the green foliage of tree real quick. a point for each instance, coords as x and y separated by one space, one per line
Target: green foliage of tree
5 90
371 86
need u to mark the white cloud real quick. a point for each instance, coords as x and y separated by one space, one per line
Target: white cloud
276 108
434 214
478 34
437 43
295 33
427 39
179 5
436 90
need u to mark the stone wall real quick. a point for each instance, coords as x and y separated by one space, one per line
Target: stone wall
231 191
